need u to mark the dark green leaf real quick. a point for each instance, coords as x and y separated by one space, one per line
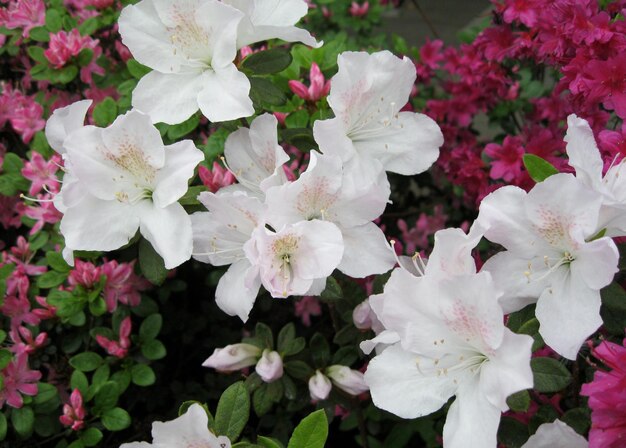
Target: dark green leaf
107 395
332 292
116 419
88 27
79 381
294 347
297 120
549 375
39 34
512 433
37 54
267 442
45 392
64 75
262 400
264 334
538 168
175 132
268 61
153 350
150 327
86 361
191 197
298 369
51 279
519 401
12 163
613 310
55 261
311 432
285 336
320 351
142 375
579 419
91 436
151 264
3 426
54 21
136 69
23 420
301 138
233 411
85 57
264 92
5 358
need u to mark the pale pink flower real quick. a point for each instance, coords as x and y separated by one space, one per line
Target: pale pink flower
270 366
26 14
318 89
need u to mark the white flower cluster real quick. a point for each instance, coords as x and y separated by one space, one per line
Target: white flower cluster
443 330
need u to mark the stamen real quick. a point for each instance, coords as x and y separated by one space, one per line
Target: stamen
28 198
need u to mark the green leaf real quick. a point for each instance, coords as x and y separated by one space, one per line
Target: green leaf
86 362
578 418
294 347
332 292
320 351
101 375
286 335
512 433
299 370
45 392
191 197
116 419
613 310
3 426
37 54
264 92
5 358
262 401
107 395
301 138
151 264
54 21
39 34
153 350
98 306
268 61
85 57
64 75
264 334
538 168
549 375
142 375
89 26
12 163
91 436
177 131
267 442
150 327
297 120
233 411
55 261
519 401
23 420
51 279
136 69
79 381
311 432
105 112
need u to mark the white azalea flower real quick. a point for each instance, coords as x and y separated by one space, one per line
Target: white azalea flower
271 19
556 435
190 430
130 181
349 380
191 46
584 156
319 386
64 121
369 130
452 342
270 366
553 256
254 156
319 194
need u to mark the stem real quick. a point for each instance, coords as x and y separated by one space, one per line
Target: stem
361 422
426 19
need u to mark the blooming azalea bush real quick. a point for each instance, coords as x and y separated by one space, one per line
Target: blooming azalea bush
227 224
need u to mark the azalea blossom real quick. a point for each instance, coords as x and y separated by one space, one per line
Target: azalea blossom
450 339
191 47
349 380
320 193
318 89
190 430
319 386
584 156
123 179
369 130
556 435
553 256
233 357
270 366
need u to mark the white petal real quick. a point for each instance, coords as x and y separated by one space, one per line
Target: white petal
584 155
168 230
225 95
472 421
147 38
181 159
232 295
94 224
366 251
320 249
452 254
318 286
64 121
397 385
331 137
568 313
556 435
596 263
168 98
286 33
508 370
191 427
410 145
386 337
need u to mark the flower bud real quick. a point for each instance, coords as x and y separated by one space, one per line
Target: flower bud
319 386
346 379
233 357
270 366
361 316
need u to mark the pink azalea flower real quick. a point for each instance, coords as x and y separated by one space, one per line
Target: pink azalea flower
41 173
64 46
21 255
607 398
26 14
357 10
426 225
11 208
119 349
306 307
216 178
507 158
18 309
27 119
44 213
122 285
523 10
18 379
74 412
24 341
318 89
84 274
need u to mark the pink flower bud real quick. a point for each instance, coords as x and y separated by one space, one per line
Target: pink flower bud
299 89
319 386
233 357
270 366
346 379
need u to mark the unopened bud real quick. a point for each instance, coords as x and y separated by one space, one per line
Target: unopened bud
319 386
346 379
270 366
233 357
